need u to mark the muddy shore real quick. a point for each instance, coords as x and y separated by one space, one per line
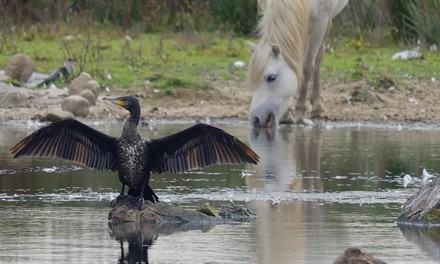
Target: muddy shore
354 101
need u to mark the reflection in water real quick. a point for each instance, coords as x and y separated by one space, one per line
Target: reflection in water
277 170
290 159
140 236
428 239
139 240
316 192
308 149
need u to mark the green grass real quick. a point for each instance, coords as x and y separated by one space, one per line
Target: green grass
373 62
168 61
194 60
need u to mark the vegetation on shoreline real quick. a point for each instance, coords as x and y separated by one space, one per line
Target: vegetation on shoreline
196 60
194 44
164 60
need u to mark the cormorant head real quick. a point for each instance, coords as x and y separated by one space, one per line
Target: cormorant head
68 65
128 102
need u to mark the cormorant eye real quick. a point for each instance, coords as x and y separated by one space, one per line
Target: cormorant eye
271 78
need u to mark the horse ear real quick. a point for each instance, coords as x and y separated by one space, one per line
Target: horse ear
252 46
276 50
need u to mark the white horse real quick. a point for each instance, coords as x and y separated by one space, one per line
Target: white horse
289 53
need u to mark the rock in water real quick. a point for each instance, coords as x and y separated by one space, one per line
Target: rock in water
20 67
124 210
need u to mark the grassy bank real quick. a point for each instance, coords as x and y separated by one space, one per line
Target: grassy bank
353 60
194 60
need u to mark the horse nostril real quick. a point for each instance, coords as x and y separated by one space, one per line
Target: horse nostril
256 121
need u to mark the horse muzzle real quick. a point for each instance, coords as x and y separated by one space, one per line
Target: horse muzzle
268 121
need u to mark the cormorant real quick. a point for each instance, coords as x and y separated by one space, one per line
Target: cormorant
64 71
133 155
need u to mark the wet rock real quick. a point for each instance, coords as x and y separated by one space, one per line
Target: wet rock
235 213
84 82
77 105
423 208
20 67
124 210
356 256
87 94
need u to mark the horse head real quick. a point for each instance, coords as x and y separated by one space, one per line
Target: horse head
274 83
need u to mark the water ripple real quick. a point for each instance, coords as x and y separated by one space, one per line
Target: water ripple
67 196
350 197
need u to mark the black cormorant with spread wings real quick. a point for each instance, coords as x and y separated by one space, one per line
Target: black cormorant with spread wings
133 155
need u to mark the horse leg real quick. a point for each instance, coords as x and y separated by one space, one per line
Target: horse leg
318 28
301 104
316 98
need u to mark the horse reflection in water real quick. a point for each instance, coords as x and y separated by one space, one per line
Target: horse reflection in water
290 163
275 166
286 154
288 54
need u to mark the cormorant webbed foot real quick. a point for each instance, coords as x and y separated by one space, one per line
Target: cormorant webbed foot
148 194
140 203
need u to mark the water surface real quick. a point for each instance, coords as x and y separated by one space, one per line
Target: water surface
316 192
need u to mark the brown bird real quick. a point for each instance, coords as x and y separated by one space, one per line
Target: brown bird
133 155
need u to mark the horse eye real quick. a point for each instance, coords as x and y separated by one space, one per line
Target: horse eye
271 78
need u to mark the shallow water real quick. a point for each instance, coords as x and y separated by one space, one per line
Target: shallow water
316 192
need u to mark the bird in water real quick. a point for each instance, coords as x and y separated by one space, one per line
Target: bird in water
133 155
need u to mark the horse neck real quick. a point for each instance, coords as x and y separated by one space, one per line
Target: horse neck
291 37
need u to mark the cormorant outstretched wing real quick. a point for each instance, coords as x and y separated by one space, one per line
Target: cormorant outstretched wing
195 147
71 140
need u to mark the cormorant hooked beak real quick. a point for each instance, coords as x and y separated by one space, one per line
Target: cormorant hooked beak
117 101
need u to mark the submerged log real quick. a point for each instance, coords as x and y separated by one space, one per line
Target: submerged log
423 208
124 210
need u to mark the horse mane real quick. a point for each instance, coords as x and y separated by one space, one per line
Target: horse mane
283 23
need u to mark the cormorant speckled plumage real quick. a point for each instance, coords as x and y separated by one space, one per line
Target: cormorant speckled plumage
133 155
